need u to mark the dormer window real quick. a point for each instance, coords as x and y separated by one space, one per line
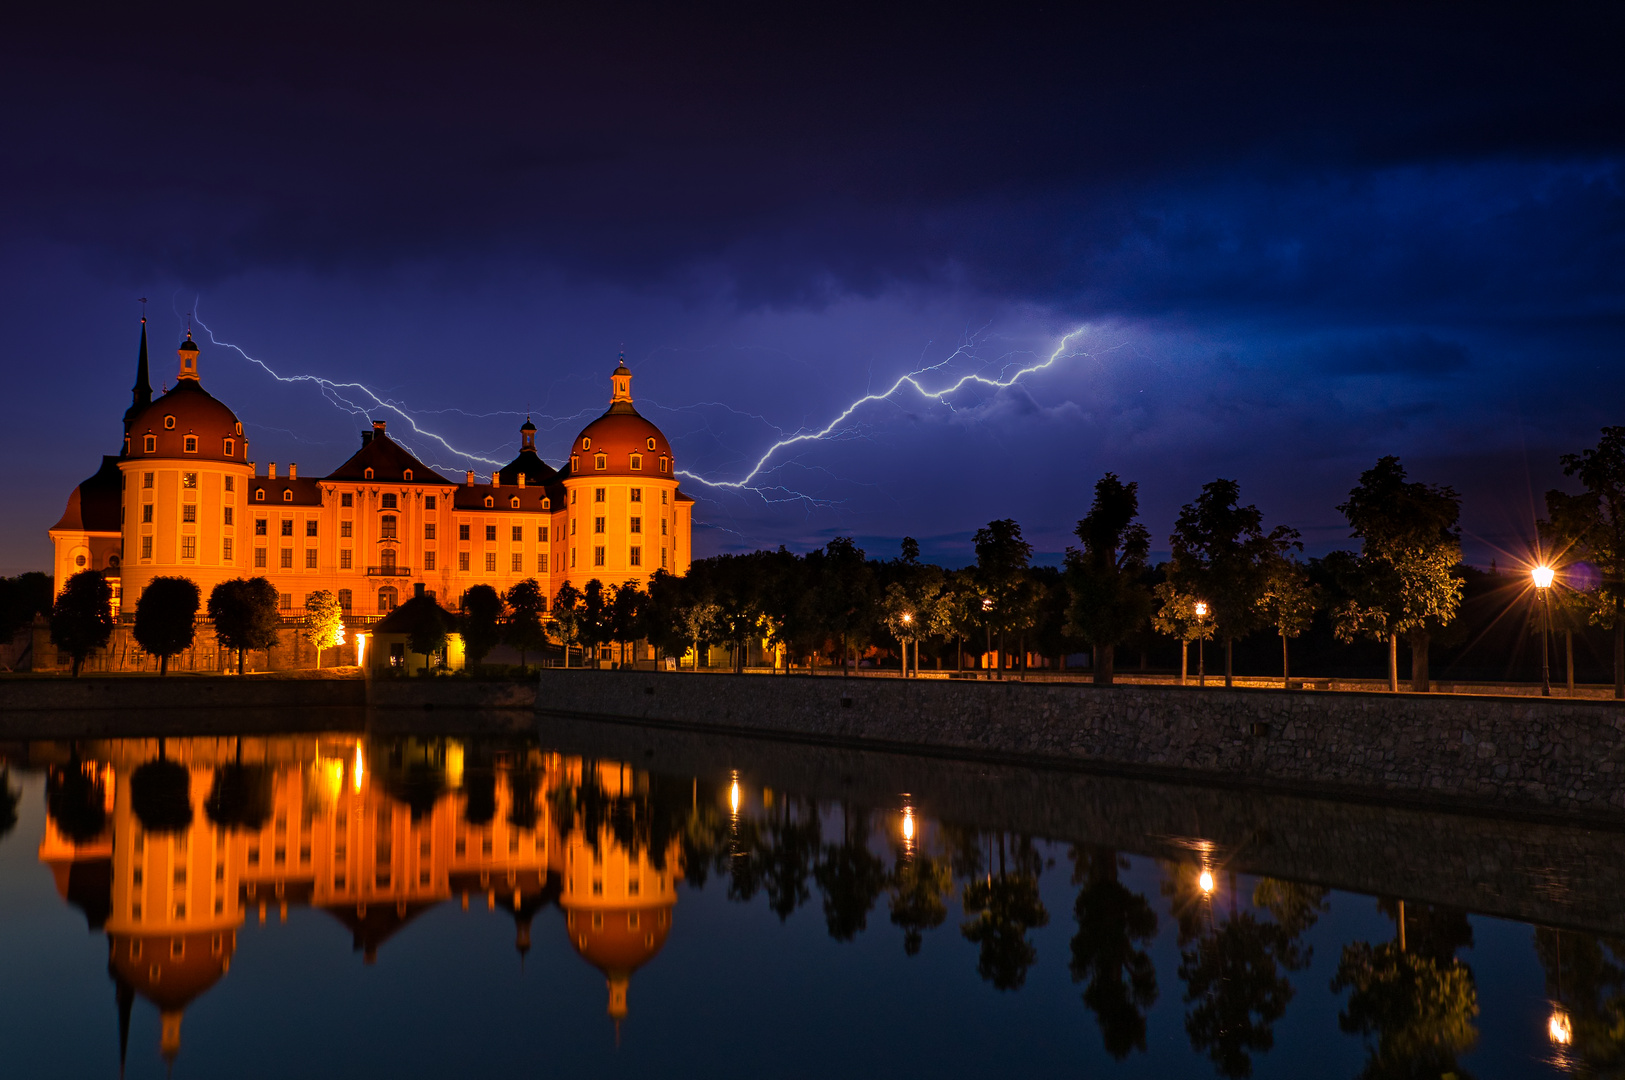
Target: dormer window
514 502
602 462
665 463
126 446
231 446
575 463
150 444
287 495
586 443
189 444
637 462
169 423
239 427
489 502
367 475
407 474
547 504
651 444
259 494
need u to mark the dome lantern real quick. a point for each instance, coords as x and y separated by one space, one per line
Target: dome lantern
188 354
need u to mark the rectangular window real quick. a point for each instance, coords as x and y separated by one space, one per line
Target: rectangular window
188 547
189 480
572 494
259 526
598 555
225 549
285 601
428 530
344 559
597 494
231 483
637 524
146 480
636 557
637 494
490 532
346 529
227 513
428 502
287 526
518 563
572 526
189 512
310 527
310 558
146 514
389 502
662 557
287 558
146 547
386 527
345 599
346 499
518 534
462 561
259 558
597 524
662 498
572 558
428 560
662 526
490 562
541 564
462 532
541 534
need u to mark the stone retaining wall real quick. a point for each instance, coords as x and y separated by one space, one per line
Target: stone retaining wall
1543 754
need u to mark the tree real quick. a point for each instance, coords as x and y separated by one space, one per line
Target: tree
76 799
1288 604
1107 600
565 620
843 590
1404 578
1008 598
1176 616
1592 527
1220 553
429 627
82 617
594 619
625 616
916 608
161 795
21 599
1114 925
325 618
244 613
166 618
482 613
527 605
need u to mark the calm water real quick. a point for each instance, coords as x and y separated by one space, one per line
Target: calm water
344 905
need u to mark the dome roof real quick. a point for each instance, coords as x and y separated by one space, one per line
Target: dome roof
621 939
195 412
170 970
623 439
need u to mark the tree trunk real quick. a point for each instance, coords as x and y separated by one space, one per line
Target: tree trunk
1568 657
1419 662
844 650
1105 663
1023 643
1393 663
163 665
959 655
1619 646
239 661
1286 671
1229 677
1184 659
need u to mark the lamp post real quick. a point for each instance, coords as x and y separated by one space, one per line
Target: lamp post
987 624
908 624
1201 670
1542 575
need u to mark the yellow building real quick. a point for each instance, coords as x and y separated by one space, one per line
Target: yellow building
183 498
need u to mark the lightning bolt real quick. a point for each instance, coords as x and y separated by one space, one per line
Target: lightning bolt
911 380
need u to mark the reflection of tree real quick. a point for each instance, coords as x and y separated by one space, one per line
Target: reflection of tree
1585 975
414 773
785 854
850 877
920 887
524 786
161 795
479 796
1004 906
9 797
1412 995
1294 907
1122 979
1236 990
241 797
76 800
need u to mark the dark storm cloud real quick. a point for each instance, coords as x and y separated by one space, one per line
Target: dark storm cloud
1160 157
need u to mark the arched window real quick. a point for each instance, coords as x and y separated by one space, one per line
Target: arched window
367 474
386 527
259 494
489 502
386 599
287 494
514 502
547 504
407 474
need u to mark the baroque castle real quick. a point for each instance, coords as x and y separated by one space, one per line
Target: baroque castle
182 498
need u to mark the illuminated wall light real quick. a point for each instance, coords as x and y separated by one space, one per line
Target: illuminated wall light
1205 881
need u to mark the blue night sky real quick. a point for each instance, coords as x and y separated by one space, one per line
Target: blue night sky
1290 239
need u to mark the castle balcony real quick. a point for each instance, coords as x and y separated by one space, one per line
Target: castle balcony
389 571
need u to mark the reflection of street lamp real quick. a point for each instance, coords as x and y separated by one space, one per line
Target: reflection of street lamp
1201 672
733 795
1543 583
1205 881
1559 1028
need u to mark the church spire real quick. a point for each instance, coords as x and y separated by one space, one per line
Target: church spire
141 392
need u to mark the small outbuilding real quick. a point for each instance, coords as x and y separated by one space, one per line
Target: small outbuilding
395 642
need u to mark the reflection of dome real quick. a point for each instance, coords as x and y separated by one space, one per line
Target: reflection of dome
618 941
171 971
195 412
618 435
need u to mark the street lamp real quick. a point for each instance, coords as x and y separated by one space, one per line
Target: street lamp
1201 671
908 624
1542 576
987 608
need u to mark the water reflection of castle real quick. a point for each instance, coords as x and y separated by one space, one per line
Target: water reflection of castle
171 845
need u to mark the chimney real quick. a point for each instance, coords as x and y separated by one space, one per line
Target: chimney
253 468
377 428
521 479
471 478
293 470
366 437
270 473
496 479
